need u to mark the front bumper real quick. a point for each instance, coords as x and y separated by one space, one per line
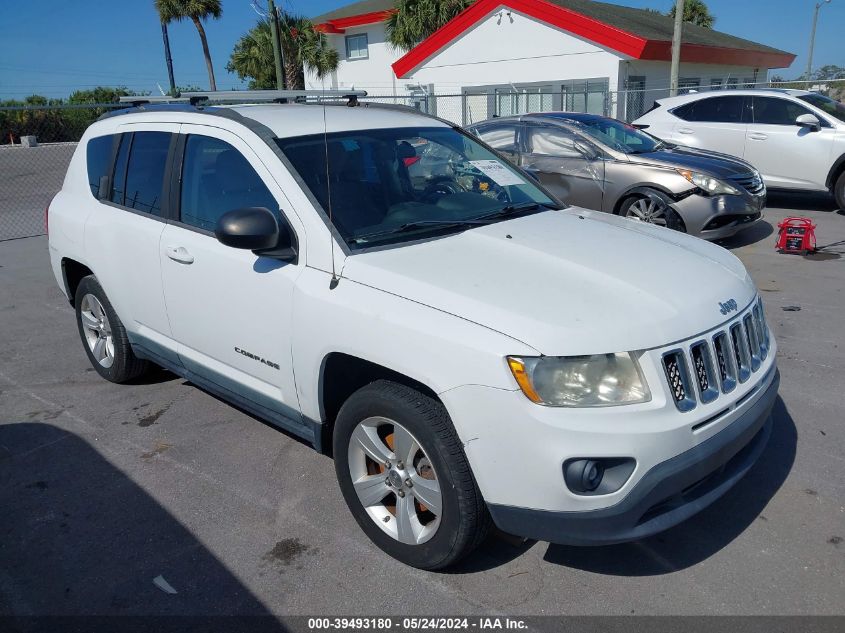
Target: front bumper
718 217
669 493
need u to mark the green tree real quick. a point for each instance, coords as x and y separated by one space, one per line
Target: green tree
302 45
415 20
696 12
828 72
196 11
78 119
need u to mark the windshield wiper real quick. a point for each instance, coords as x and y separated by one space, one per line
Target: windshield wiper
511 209
410 226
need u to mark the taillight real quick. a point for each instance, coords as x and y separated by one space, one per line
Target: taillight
410 160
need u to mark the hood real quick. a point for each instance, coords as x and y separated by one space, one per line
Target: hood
714 163
567 282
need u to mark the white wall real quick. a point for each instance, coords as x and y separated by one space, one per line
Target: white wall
373 74
503 49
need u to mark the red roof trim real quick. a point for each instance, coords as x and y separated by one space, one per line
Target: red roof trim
588 28
341 24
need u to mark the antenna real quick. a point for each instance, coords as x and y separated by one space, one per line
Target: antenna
335 279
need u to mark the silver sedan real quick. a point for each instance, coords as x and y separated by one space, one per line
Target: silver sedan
601 163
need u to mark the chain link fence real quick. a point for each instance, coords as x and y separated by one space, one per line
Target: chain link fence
36 145
37 142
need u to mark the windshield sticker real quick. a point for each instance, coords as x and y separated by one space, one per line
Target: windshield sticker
497 172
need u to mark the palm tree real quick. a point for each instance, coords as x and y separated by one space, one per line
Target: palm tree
415 20
302 46
196 11
696 12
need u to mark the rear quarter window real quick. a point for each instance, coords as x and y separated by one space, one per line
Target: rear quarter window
98 155
727 109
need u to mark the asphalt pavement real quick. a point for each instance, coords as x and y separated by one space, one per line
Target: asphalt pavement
105 488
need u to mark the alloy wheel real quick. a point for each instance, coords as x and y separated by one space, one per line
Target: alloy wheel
97 330
649 210
395 481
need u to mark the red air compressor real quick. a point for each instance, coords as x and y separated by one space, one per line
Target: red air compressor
796 235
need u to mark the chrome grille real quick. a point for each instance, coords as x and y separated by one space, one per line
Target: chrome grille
709 368
751 182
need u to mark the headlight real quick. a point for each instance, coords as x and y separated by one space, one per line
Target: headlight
711 185
580 381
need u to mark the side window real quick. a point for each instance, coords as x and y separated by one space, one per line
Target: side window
501 137
118 190
98 155
145 171
548 141
774 111
216 178
356 46
713 110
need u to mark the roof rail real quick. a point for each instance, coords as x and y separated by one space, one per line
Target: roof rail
137 101
250 96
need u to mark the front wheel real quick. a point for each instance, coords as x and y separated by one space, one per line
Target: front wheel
404 476
652 207
839 191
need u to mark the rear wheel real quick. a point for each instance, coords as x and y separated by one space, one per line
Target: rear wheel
839 191
405 478
103 334
652 207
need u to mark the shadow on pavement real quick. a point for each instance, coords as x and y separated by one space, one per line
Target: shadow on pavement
751 235
79 538
704 534
801 200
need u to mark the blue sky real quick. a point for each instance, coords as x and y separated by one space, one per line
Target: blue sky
52 47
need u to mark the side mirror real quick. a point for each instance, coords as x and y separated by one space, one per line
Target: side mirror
809 121
256 229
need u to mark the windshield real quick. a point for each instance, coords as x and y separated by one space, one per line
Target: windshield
619 136
833 108
402 184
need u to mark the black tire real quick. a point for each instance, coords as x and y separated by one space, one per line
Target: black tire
464 521
839 191
124 364
673 220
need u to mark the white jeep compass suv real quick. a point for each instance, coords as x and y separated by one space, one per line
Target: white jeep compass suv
470 352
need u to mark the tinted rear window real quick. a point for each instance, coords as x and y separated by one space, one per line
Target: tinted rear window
145 175
713 110
98 154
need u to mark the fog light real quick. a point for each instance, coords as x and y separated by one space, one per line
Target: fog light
583 475
597 476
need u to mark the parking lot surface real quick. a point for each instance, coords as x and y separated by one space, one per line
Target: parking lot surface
104 487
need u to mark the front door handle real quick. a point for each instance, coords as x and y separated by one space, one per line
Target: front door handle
686 130
180 254
758 136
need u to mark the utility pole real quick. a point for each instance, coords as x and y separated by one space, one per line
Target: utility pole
813 38
278 57
168 59
676 48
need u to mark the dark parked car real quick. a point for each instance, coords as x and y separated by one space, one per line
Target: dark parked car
608 165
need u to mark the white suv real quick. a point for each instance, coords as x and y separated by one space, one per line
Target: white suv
471 353
795 138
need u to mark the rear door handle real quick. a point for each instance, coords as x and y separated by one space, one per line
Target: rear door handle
758 136
686 130
180 254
